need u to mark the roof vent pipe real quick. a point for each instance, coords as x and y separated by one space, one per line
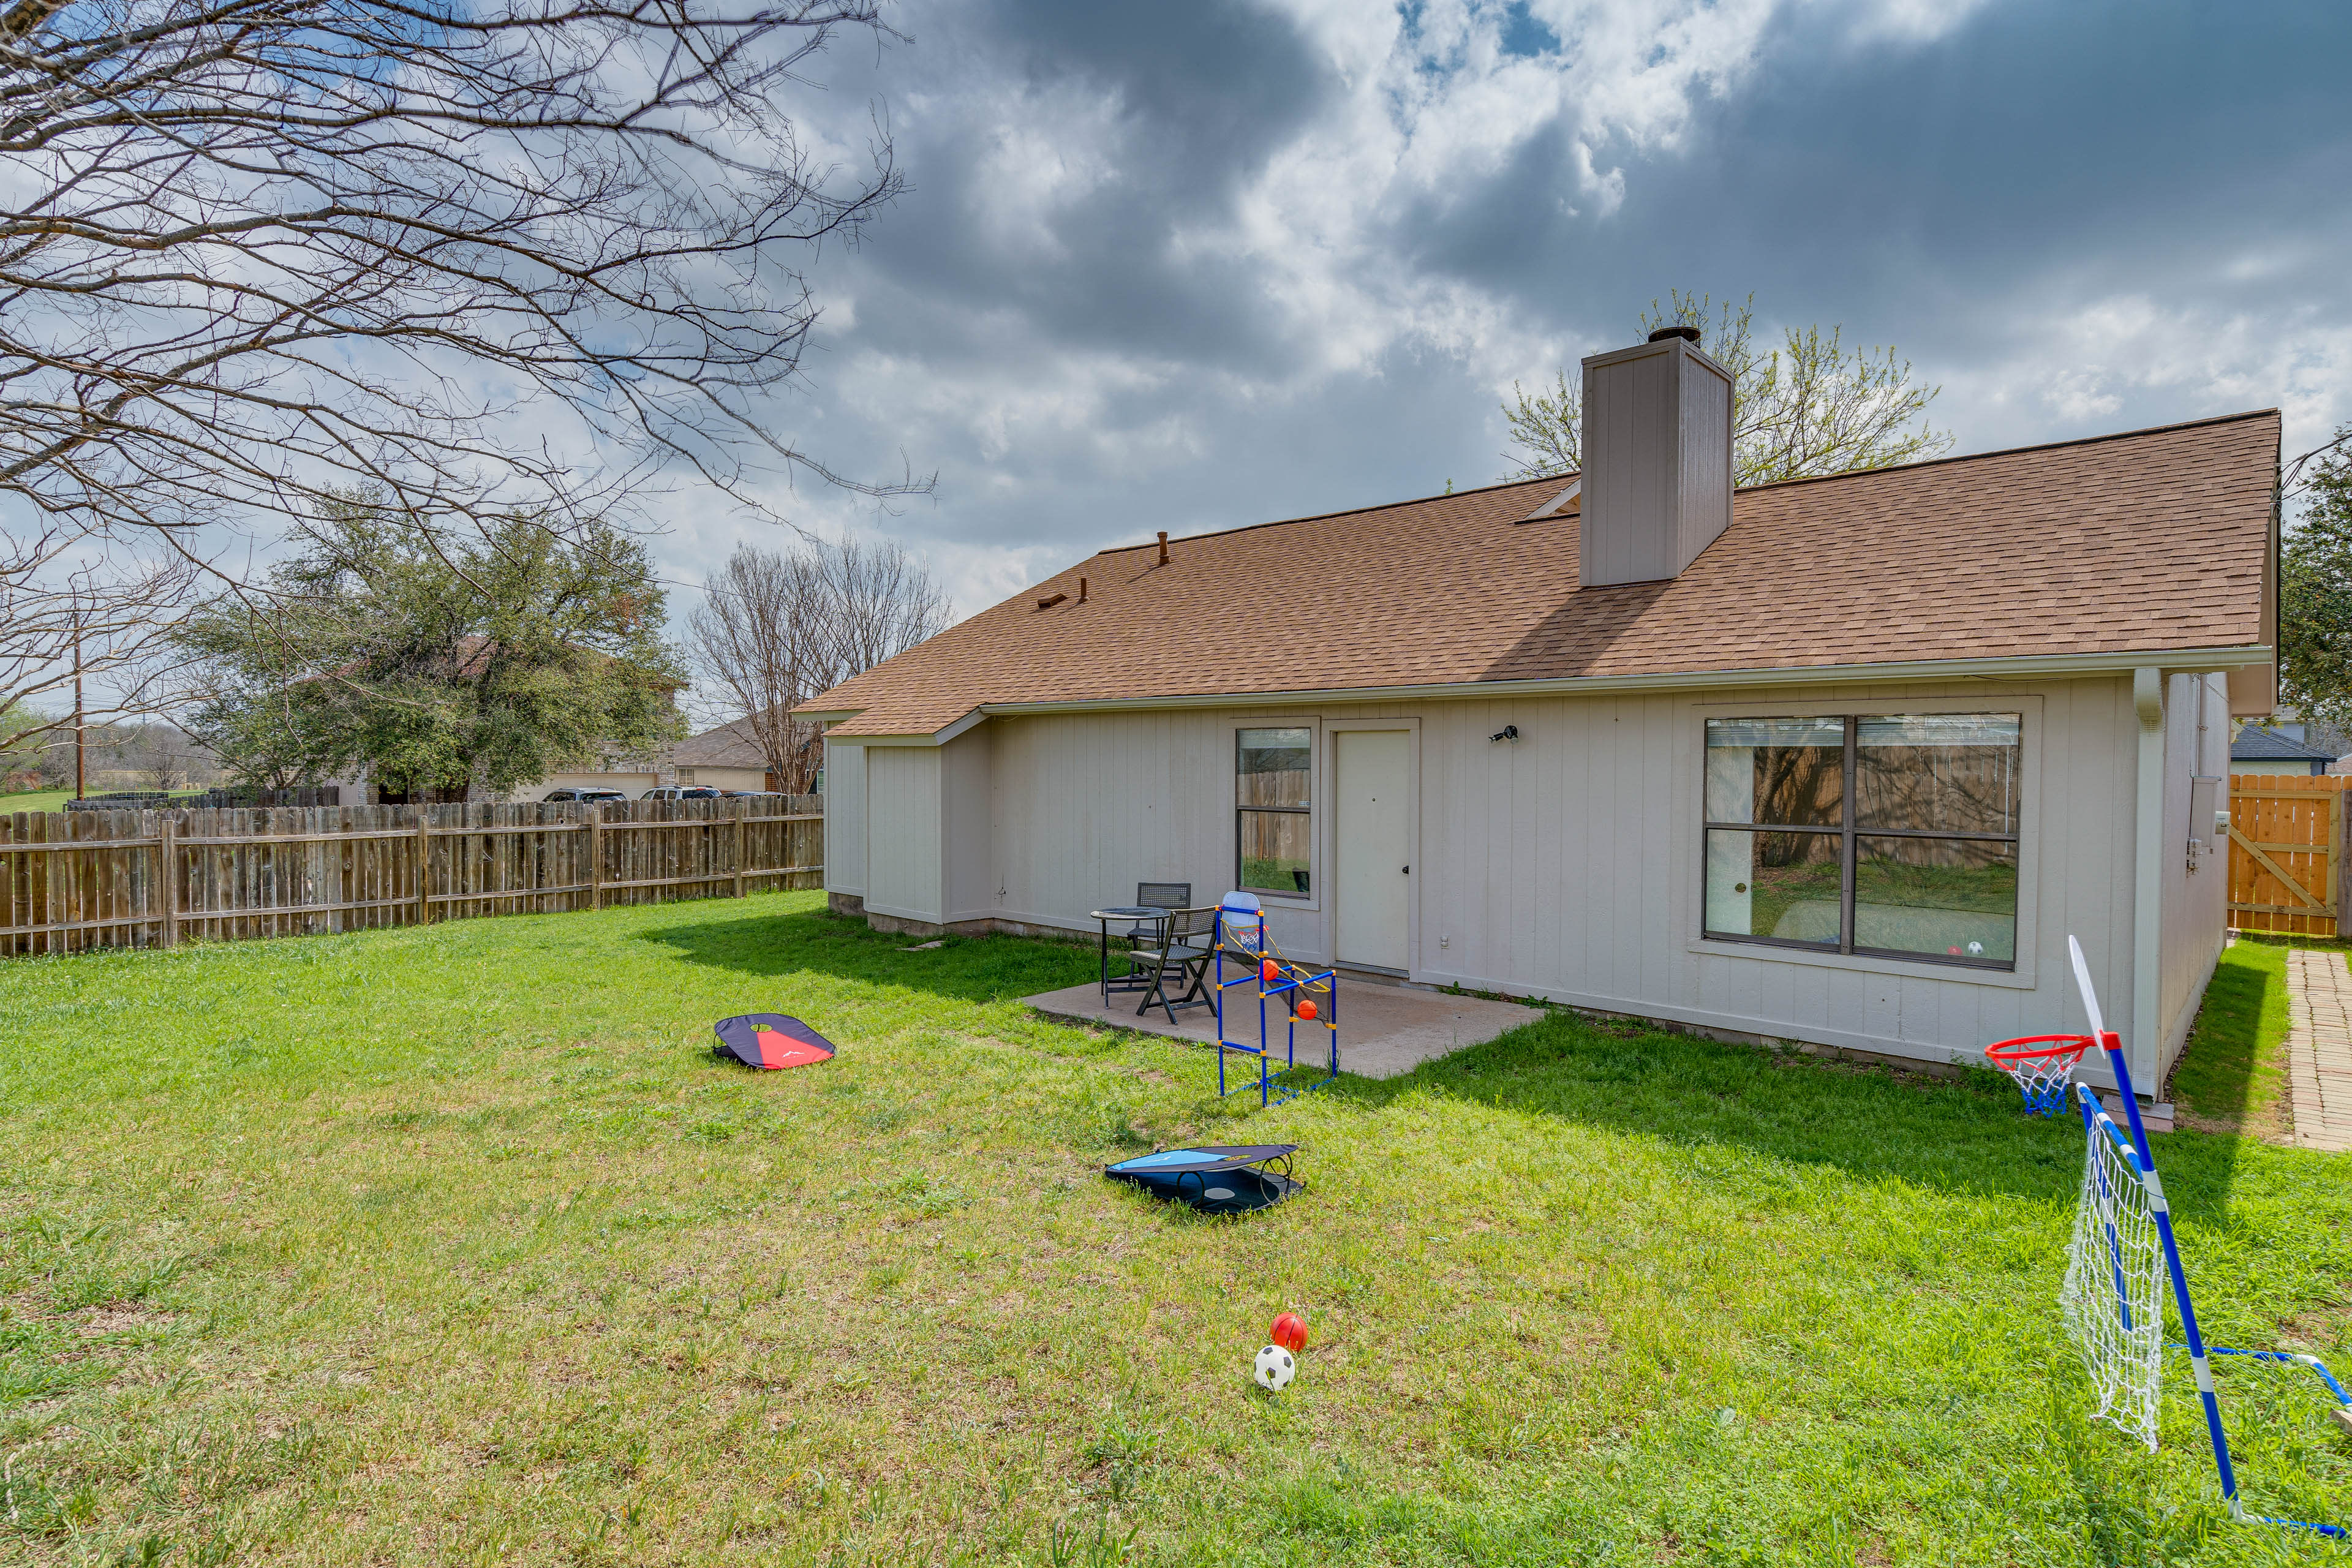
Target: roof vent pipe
1164 547
1656 486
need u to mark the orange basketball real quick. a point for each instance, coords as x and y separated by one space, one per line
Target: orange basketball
1269 972
1307 1010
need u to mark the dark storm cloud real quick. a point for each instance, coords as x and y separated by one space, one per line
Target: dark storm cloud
1182 267
1196 98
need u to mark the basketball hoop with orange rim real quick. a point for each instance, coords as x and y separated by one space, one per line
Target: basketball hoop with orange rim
2042 1065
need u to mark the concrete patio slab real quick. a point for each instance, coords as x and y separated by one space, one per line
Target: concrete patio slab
1385 1031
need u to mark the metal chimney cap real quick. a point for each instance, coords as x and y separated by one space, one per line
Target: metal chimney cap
1687 334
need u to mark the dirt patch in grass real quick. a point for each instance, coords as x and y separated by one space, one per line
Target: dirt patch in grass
108 1322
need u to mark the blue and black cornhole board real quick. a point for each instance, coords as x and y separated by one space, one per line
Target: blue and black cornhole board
771 1041
1215 1178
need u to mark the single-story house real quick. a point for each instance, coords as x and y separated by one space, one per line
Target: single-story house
2277 749
1840 760
726 757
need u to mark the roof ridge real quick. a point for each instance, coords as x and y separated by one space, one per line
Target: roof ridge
2015 451
1742 490
1342 511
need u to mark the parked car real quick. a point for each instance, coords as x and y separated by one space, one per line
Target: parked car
571 792
692 791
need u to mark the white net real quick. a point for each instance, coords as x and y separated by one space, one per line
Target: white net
1242 934
2042 1078
2113 1300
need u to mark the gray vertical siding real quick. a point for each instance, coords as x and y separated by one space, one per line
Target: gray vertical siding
1565 864
2196 904
904 870
845 819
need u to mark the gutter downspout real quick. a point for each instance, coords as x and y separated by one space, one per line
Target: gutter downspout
2147 881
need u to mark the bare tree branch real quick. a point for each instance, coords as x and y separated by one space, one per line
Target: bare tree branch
74 619
258 254
1810 406
775 629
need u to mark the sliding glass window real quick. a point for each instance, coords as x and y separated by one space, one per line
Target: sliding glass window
1888 834
1274 820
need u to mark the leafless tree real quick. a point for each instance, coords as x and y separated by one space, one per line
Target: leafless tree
258 254
777 627
78 626
1810 406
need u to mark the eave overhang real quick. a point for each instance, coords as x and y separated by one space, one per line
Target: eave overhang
2066 667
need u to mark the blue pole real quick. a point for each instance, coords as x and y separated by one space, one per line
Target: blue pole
2113 1043
1221 1005
1265 1089
2115 1243
2146 1159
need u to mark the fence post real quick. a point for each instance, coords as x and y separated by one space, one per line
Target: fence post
2339 885
423 867
167 877
595 854
740 809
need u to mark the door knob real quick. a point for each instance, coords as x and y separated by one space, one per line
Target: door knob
1408 870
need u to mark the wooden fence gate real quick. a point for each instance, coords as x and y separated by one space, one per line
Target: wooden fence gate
72 880
2287 853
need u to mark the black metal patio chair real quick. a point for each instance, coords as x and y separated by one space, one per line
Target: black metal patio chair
1185 956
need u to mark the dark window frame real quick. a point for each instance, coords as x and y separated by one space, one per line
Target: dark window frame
1241 812
1848 833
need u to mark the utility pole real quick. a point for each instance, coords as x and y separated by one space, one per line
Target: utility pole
81 781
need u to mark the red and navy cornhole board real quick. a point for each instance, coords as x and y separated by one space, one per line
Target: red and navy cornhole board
771 1041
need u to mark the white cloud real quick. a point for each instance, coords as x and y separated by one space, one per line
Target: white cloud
1056 431
2126 359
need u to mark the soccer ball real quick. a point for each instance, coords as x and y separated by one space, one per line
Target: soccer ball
1276 1367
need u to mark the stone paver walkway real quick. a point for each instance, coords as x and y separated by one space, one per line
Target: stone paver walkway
2319 1047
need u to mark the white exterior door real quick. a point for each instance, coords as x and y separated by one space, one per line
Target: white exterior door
1374 846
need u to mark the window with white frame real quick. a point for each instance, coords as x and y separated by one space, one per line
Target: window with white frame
1273 809
1895 835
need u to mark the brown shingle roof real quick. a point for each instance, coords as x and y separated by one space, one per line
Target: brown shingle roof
731 745
2142 542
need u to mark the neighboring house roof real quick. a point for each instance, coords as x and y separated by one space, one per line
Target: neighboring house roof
2153 540
2256 744
728 746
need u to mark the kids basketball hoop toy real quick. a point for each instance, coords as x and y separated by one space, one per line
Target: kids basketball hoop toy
2042 1065
1306 995
2122 1258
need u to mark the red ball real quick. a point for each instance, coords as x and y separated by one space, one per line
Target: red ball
1307 1010
1290 1332
1269 972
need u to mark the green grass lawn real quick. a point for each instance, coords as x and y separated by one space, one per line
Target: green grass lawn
2231 1075
35 800
455 1245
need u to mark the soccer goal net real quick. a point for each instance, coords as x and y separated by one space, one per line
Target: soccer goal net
2113 1300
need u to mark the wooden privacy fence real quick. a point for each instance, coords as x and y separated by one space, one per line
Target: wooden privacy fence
2287 853
152 878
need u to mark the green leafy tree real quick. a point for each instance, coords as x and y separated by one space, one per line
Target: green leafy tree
1809 407
437 668
2315 591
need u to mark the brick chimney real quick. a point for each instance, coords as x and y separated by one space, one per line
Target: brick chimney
1657 460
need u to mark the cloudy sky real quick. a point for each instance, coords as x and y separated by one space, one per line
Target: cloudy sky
1190 266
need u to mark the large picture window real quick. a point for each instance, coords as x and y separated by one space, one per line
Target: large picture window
1886 834
1274 818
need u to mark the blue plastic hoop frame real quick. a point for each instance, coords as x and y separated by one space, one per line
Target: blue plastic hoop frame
1294 978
